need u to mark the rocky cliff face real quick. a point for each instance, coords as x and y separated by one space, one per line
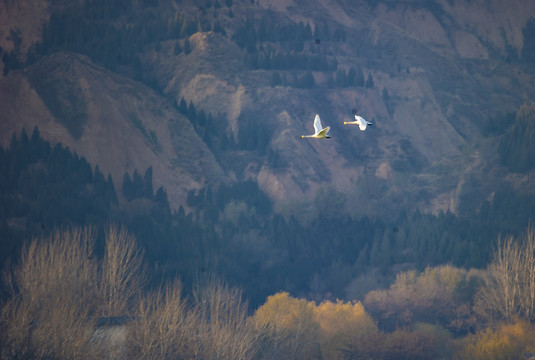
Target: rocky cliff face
438 71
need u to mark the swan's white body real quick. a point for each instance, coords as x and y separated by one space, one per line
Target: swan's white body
360 121
320 131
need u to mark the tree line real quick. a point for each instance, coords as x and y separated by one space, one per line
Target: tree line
211 129
271 45
517 145
41 183
233 231
252 136
113 34
109 310
289 34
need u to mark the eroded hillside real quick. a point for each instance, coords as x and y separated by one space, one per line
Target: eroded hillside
115 123
235 84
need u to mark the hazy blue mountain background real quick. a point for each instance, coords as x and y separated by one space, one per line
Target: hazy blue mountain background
182 121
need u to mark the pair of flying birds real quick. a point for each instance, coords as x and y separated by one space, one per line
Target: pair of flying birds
321 132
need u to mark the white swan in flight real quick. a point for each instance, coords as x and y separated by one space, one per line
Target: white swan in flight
320 131
360 121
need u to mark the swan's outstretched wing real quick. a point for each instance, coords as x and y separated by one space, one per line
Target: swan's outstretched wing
317 124
361 122
323 132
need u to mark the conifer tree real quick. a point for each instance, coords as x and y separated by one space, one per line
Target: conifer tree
147 184
187 46
369 81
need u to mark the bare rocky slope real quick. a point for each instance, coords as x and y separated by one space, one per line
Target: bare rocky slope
440 69
117 124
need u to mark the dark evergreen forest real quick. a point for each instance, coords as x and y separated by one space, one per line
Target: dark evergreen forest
407 284
115 35
233 231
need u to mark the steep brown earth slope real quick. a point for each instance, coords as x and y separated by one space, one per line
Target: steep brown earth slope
439 72
117 124
440 69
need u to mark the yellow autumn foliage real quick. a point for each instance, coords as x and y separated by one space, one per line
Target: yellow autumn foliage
287 327
337 317
344 326
301 327
284 312
507 341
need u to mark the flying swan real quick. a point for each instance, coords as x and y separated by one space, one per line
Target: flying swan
321 132
360 121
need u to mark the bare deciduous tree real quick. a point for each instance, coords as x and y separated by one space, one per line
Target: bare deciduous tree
121 274
49 314
164 326
222 331
527 288
508 291
58 293
213 326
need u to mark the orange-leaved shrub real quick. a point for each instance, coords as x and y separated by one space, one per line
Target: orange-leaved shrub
502 342
287 327
345 328
291 328
437 295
